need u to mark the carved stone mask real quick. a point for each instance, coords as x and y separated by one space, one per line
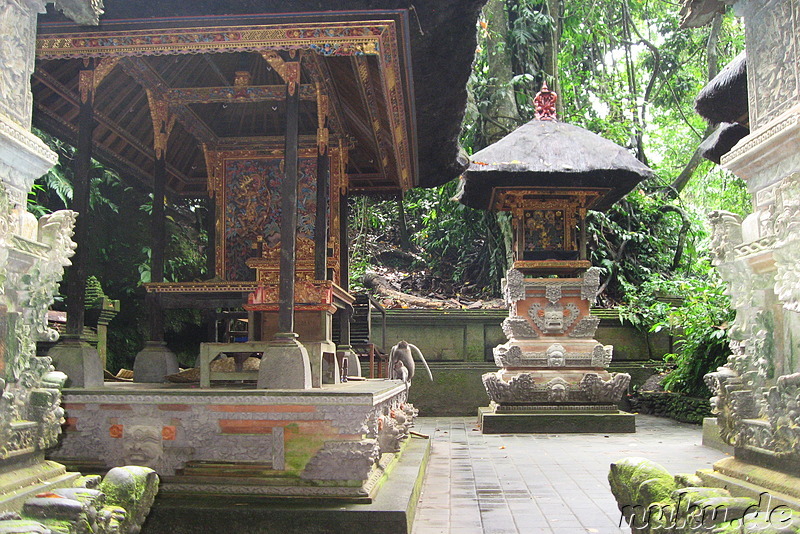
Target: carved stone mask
555 356
554 321
142 445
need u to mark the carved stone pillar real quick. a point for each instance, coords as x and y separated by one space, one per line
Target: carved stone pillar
33 255
755 393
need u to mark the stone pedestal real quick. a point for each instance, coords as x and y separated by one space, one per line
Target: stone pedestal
79 361
285 364
154 362
552 375
353 363
313 328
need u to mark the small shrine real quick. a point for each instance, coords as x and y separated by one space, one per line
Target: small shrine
553 374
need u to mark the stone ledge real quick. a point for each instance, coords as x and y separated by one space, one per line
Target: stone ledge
742 488
761 476
391 511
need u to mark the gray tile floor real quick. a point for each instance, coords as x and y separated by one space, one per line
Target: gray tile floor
539 483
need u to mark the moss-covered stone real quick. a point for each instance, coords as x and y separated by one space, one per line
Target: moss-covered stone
132 488
686 480
783 521
643 490
656 489
23 526
88 481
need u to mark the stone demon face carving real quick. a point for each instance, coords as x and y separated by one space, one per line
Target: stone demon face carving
143 445
554 321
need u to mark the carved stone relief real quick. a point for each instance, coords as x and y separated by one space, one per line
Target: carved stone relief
17 35
343 460
553 318
773 59
591 283
517 327
585 328
523 388
514 287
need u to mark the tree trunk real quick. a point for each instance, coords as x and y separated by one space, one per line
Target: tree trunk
712 61
384 289
501 115
552 46
683 178
402 227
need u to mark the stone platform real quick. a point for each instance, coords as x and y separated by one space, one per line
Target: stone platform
23 481
391 511
578 420
333 442
744 479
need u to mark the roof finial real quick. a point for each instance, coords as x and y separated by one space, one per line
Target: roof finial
545 104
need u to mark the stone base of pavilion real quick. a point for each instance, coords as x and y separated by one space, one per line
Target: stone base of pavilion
555 419
338 442
389 511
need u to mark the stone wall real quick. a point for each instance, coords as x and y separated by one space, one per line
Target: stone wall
471 335
458 345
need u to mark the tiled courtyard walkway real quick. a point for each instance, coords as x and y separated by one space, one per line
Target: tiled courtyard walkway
539 483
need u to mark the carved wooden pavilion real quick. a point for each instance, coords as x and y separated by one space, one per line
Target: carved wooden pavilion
275 116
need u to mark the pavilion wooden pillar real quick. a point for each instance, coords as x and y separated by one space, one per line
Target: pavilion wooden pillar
583 245
81 165
209 316
73 356
289 204
354 366
156 361
286 364
211 232
323 186
344 242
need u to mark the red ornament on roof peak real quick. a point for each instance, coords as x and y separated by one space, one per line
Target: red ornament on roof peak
545 104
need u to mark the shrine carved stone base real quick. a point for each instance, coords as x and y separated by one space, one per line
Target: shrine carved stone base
553 375
588 419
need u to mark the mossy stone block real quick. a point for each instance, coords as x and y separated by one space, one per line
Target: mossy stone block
132 488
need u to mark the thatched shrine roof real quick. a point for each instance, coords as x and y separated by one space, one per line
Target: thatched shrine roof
401 124
724 99
722 140
551 154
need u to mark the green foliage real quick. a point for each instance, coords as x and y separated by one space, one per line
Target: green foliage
458 242
93 296
119 252
697 312
53 191
454 242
